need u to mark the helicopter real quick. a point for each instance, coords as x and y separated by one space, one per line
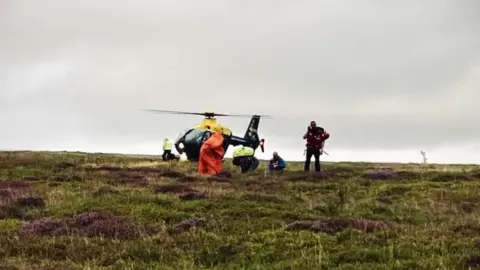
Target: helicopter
190 140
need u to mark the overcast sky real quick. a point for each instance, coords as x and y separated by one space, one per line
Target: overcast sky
385 78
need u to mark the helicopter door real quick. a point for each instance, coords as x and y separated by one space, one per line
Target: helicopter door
205 136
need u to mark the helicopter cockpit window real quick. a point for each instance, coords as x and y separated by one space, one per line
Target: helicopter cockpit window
181 134
195 136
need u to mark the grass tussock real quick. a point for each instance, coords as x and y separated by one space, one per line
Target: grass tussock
94 211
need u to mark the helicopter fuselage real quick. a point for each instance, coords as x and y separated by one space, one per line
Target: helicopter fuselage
191 140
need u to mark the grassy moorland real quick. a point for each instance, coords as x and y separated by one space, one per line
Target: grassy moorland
93 211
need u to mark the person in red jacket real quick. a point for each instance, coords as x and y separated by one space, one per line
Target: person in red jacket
315 137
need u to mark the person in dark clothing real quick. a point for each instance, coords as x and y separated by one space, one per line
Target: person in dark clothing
244 158
246 164
315 137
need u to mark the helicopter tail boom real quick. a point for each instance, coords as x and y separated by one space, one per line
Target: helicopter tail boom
251 137
252 127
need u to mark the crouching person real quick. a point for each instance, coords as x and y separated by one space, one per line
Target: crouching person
277 163
244 157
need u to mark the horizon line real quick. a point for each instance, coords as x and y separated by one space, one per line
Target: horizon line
262 159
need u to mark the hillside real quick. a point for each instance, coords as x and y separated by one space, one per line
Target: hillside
94 211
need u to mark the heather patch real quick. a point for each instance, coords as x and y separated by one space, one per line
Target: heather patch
334 225
89 224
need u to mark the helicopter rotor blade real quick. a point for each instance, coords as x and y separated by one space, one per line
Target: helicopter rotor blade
174 112
205 113
241 115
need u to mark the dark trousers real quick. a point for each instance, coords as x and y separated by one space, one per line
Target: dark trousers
316 154
166 154
246 163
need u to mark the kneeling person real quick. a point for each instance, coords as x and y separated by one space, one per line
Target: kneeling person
276 163
244 158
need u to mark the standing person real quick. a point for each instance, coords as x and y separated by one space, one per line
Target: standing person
167 149
276 163
262 145
315 137
243 157
211 155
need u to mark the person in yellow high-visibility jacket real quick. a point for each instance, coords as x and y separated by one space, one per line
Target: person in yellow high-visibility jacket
167 149
243 157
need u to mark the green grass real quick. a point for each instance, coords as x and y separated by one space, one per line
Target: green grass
430 214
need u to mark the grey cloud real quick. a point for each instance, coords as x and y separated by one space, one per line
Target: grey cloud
377 74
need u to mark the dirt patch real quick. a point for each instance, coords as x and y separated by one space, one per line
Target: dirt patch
395 190
217 179
105 168
15 161
188 224
89 224
256 174
10 211
477 244
224 174
388 174
64 165
406 175
475 174
141 170
473 261
193 195
55 268
32 201
381 175
122 174
221 177
470 230
149 170
304 176
138 176
104 191
334 225
66 178
5 193
187 179
384 199
262 198
174 188
173 174
252 185
128 179
299 225
31 178
468 207
341 171
8 267
255 185
15 185
452 177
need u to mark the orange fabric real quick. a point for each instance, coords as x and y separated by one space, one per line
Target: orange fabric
211 155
